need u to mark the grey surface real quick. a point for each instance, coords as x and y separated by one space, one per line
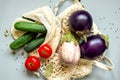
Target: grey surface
106 14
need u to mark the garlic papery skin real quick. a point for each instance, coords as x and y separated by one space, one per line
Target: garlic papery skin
69 53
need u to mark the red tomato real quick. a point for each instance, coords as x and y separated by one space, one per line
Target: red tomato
32 63
45 51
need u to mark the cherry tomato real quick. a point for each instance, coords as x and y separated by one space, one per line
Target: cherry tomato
32 63
45 51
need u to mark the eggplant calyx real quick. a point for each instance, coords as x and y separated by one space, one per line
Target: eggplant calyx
83 34
69 37
106 38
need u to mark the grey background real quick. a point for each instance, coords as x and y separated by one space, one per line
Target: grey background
106 14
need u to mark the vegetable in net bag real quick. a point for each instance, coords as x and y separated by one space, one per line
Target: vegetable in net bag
56 26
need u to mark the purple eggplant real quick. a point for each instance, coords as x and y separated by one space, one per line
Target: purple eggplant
80 20
94 47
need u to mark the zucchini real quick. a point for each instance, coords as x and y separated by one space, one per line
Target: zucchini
35 43
21 41
30 27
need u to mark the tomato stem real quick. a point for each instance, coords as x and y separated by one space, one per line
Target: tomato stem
44 52
31 64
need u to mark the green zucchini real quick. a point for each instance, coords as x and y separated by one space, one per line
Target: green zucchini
21 41
30 27
35 43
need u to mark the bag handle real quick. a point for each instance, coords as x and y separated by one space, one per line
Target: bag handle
60 3
108 65
57 6
77 1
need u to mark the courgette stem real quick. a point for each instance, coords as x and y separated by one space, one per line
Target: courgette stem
29 19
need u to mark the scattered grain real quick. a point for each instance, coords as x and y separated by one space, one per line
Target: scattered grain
6 33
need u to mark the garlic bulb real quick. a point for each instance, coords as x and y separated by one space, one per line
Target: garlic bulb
69 51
